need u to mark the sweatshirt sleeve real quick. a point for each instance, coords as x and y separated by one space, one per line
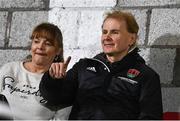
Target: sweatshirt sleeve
4 70
60 91
151 98
1 79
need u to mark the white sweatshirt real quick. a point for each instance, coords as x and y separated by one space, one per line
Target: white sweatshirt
21 89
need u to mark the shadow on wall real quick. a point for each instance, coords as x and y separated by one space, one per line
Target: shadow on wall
163 58
166 61
168 39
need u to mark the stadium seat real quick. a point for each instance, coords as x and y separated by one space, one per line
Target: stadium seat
171 116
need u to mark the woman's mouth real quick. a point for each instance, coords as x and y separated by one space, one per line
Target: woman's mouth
41 54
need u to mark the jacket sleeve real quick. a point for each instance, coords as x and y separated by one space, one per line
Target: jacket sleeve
60 91
151 98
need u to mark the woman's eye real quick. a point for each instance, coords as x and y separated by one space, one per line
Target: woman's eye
36 41
48 43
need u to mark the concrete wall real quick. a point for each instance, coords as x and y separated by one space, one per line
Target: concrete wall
80 22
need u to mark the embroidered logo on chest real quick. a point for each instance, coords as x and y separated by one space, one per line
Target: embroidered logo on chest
91 69
132 73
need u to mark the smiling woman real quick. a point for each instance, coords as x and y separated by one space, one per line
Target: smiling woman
19 81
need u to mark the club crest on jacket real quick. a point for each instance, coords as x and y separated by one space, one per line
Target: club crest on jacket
132 73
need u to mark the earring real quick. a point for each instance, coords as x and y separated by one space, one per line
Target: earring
58 58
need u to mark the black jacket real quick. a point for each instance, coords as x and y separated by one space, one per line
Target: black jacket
97 89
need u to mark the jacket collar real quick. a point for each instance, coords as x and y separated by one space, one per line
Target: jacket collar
127 62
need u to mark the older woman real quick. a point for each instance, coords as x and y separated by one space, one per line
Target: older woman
19 80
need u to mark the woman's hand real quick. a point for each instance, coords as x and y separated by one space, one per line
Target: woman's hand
58 70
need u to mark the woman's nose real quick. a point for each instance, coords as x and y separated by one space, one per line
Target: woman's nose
41 45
